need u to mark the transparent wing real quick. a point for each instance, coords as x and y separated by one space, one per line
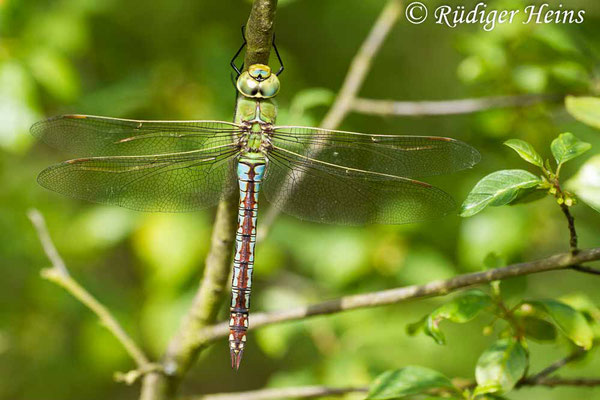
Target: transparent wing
315 191
85 135
407 156
171 183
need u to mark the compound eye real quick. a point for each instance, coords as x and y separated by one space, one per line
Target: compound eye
247 85
270 87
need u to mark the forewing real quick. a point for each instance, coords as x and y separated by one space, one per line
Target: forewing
314 191
85 135
406 156
168 183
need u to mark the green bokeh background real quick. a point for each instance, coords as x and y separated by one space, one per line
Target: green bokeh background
169 60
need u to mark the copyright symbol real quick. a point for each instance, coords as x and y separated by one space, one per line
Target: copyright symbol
416 12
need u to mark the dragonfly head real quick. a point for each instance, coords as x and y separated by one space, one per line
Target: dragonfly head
258 82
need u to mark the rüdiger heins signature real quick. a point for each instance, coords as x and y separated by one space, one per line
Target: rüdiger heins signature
489 19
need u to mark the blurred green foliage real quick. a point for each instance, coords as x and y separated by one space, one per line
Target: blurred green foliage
169 60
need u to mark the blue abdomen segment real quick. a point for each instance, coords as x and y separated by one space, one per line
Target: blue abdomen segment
250 175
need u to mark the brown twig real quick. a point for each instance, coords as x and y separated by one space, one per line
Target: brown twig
571 224
585 269
59 274
304 392
397 295
182 349
555 366
448 107
37 219
553 382
361 64
562 198
359 67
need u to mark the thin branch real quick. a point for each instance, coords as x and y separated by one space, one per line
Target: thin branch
554 382
304 392
361 64
59 274
307 392
130 377
397 295
561 197
555 366
37 219
571 224
353 81
184 347
448 107
585 270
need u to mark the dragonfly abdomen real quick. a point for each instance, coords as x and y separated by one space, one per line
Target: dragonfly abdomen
250 174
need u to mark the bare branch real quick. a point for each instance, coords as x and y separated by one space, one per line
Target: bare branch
397 295
59 274
355 77
183 347
553 382
361 64
585 270
304 392
571 224
448 107
307 392
130 377
560 197
579 353
37 219
259 32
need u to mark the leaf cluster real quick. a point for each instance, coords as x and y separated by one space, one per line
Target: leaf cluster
504 364
513 186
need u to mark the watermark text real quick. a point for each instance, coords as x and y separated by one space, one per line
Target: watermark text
488 19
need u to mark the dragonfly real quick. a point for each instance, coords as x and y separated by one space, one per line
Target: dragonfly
321 175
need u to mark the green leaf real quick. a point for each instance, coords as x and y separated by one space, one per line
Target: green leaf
494 260
570 73
497 189
529 196
500 367
415 327
408 381
570 321
588 308
461 309
539 329
586 183
309 98
526 151
584 109
566 147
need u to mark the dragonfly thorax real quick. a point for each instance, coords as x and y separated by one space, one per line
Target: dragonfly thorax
256 138
258 82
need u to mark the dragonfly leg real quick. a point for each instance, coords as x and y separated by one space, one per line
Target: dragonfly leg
278 57
232 63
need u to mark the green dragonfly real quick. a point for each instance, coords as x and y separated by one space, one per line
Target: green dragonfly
314 174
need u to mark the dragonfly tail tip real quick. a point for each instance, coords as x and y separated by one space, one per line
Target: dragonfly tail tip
236 358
